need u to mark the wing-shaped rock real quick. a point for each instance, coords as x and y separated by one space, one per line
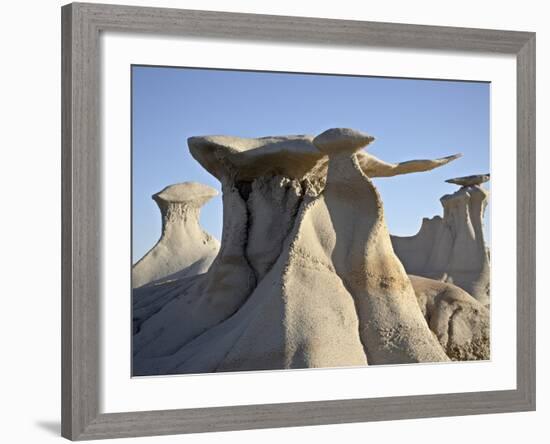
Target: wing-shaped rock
295 157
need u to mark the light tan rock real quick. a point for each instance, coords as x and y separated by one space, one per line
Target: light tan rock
301 280
452 248
209 300
184 248
149 300
476 179
391 325
341 140
460 322
294 157
245 159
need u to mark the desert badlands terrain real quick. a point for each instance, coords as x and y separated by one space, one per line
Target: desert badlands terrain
307 274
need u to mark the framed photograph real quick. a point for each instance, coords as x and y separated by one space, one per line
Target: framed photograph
278 221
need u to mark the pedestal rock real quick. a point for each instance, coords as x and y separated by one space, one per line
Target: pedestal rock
305 276
184 248
452 248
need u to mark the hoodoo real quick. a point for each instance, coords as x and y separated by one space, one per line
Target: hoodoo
452 248
184 248
305 276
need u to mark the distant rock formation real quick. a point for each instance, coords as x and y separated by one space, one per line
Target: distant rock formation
184 248
452 249
468 181
305 275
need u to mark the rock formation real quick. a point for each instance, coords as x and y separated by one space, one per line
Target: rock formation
467 181
306 275
452 248
460 322
184 248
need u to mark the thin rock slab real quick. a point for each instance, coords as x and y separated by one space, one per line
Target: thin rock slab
466 181
294 156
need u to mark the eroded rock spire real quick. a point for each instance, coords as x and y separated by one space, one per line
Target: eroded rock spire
183 246
452 248
305 276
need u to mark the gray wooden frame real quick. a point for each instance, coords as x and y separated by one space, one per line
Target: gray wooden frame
81 167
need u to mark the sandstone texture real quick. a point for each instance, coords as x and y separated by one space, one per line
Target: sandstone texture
452 248
460 322
306 275
184 248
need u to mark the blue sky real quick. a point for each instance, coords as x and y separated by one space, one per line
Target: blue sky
410 119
